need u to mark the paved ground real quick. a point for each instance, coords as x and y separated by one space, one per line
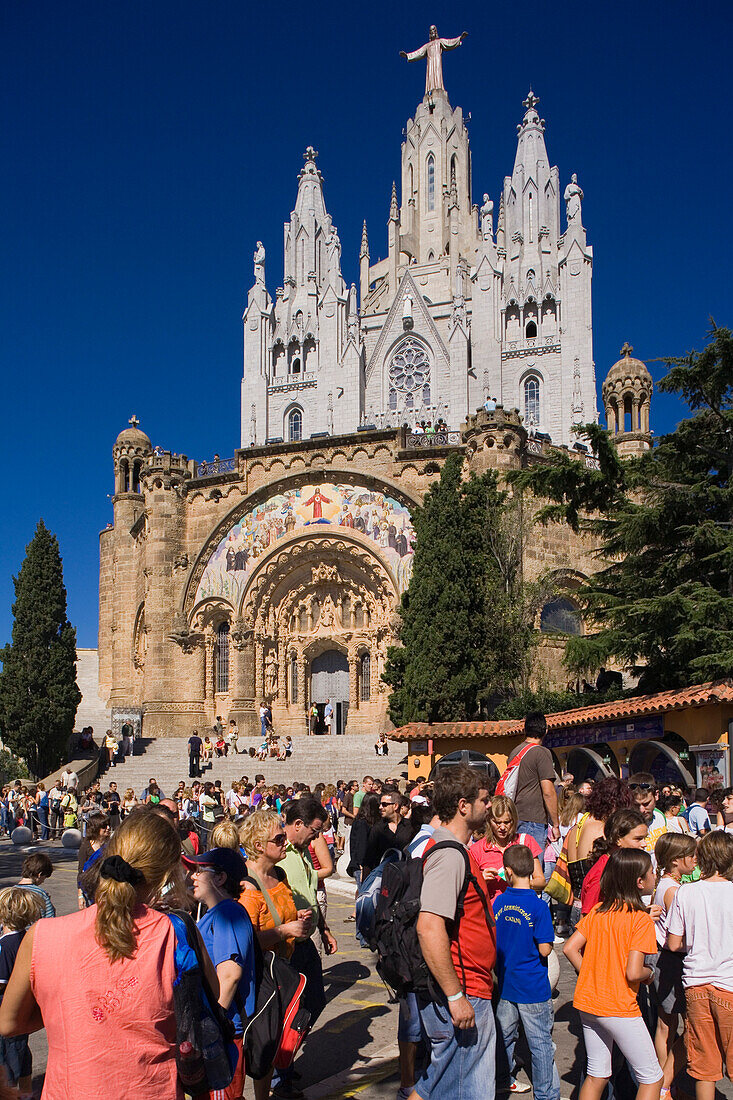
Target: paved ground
353 1050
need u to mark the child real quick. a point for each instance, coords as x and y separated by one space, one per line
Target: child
675 854
702 917
524 938
19 909
607 950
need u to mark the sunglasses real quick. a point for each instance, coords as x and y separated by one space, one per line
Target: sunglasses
640 787
386 804
279 839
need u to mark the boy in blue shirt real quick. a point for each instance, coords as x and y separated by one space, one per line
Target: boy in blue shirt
524 938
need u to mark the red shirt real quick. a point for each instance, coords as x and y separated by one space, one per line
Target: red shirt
472 941
490 856
590 891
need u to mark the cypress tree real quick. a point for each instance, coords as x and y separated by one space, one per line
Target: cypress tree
463 633
38 690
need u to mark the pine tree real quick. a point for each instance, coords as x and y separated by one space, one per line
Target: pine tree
663 597
463 633
38 691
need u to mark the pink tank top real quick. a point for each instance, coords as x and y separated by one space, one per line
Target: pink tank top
110 1026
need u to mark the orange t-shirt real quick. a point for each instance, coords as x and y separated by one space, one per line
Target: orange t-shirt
602 988
261 917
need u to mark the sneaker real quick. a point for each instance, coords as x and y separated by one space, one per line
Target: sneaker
559 938
519 1086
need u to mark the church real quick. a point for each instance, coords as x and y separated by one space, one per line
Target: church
276 574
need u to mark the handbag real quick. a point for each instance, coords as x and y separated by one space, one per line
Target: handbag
559 887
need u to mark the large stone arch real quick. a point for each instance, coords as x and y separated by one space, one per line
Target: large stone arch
319 590
345 480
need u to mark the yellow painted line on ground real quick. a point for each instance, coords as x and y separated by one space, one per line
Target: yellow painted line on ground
359 1001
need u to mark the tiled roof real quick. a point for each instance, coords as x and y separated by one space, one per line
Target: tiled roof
717 691
453 729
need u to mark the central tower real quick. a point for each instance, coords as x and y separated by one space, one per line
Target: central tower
458 311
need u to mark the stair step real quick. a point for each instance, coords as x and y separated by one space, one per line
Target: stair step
315 759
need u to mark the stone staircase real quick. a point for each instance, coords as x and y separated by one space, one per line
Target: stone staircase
314 759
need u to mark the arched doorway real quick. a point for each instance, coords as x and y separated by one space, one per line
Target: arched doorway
585 763
471 759
661 761
330 680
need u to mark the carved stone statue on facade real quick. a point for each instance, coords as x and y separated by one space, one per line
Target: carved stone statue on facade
259 262
487 219
271 674
573 197
433 50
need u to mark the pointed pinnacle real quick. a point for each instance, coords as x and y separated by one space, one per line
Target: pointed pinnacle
364 241
393 207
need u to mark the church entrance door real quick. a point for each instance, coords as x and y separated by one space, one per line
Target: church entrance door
330 680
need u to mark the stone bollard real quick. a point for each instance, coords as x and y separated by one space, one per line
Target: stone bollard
21 836
71 838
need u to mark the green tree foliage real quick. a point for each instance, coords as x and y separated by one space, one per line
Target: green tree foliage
466 620
663 597
38 690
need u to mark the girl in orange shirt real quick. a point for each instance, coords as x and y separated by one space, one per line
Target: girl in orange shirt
607 950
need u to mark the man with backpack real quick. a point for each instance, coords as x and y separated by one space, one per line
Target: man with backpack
304 819
530 782
457 936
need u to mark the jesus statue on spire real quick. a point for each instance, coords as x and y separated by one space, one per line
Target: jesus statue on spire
433 50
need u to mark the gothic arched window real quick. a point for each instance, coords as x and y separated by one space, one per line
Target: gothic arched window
532 401
365 674
409 373
431 182
531 330
222 658
295 426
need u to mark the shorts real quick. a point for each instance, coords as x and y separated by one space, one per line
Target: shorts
666 989
235 1089
15 1058
409 1028
630 1035
709 1034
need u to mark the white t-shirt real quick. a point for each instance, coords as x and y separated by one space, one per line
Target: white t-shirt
660 925
702 912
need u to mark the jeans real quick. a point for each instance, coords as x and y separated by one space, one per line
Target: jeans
537 1020
306 960
538 831
42 812
194 765
462 1063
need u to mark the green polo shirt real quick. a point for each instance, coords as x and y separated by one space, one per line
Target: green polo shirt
303 881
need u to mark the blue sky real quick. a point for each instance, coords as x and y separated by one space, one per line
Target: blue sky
146 146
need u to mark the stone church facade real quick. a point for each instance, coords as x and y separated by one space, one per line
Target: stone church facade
276 574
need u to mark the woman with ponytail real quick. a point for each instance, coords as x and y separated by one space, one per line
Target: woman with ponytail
101 980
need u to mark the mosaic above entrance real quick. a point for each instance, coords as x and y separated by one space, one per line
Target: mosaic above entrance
381 518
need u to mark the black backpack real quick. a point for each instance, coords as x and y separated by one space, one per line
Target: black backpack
400 964
279 1023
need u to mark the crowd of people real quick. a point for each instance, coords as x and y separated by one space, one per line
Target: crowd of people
646 921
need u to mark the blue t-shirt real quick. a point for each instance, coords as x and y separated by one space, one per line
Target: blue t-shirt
699 819
522 921
227 934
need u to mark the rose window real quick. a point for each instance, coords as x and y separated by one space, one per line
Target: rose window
409 371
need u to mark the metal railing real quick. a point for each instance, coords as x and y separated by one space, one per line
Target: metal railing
216 466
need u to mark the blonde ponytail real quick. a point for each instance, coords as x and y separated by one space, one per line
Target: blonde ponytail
149 847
